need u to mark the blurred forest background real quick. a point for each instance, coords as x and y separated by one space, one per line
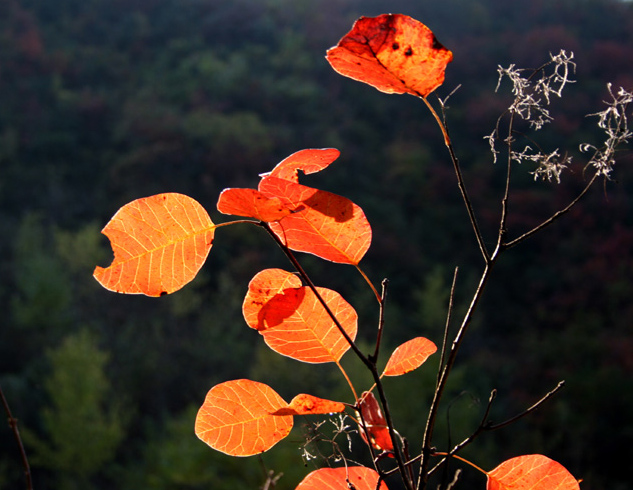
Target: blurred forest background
106 101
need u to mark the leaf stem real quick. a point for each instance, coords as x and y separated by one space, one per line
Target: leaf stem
13 423
371 285
349 381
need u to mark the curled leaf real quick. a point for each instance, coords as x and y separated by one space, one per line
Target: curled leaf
305 404
356 477
159 242
374 422
409 356
236 419
531 472
393 53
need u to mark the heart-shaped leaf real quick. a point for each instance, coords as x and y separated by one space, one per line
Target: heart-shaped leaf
304 404
297 325
393 53
409 356
159 242
531 472
356 477
324 224
236 419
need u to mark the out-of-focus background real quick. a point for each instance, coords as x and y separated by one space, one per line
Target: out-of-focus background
106 101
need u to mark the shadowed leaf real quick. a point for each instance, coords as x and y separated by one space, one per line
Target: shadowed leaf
308 161
236 418
304 404
264 286
531 472
251 204
409 356
393 53
356 477
159 242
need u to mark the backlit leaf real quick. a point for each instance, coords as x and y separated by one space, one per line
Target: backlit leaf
375 423
409 356
308 161
236 418
356 477
531 472
251 204
261 289
159 242
297 325
304 404
393 53
324 224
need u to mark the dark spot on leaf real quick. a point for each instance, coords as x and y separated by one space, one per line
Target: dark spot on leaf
408 52
395 46
163 293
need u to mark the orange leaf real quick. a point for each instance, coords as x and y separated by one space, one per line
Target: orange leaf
296 325
236 418
375 423
356 477
304 404
159 242
393 53
324 224
308 161
532 472
261 289
409 356
252 204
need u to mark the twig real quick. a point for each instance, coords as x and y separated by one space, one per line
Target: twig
13 423
381 320
448 322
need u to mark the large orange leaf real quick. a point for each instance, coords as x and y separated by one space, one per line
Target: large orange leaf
236 418
531 472
305 404
265 285
308 161
393 53
356 477
251 204
375 423
409 356
159 242
297 325
324 224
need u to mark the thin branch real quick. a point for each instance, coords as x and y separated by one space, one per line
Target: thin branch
448 322
381 320
460 181
13 423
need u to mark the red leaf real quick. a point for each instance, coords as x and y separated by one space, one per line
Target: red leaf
252 204
308 161
393 53
324 224
375 423
264 286
236 418
159 242
304 404
296 325
409 356
532 472
356 477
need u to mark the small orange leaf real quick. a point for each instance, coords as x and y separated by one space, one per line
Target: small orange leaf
251 204
375 423
159 242
236 418
324 224
393 53
296 325
304 404
531 472
356 477
409 356
265 285
308 161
